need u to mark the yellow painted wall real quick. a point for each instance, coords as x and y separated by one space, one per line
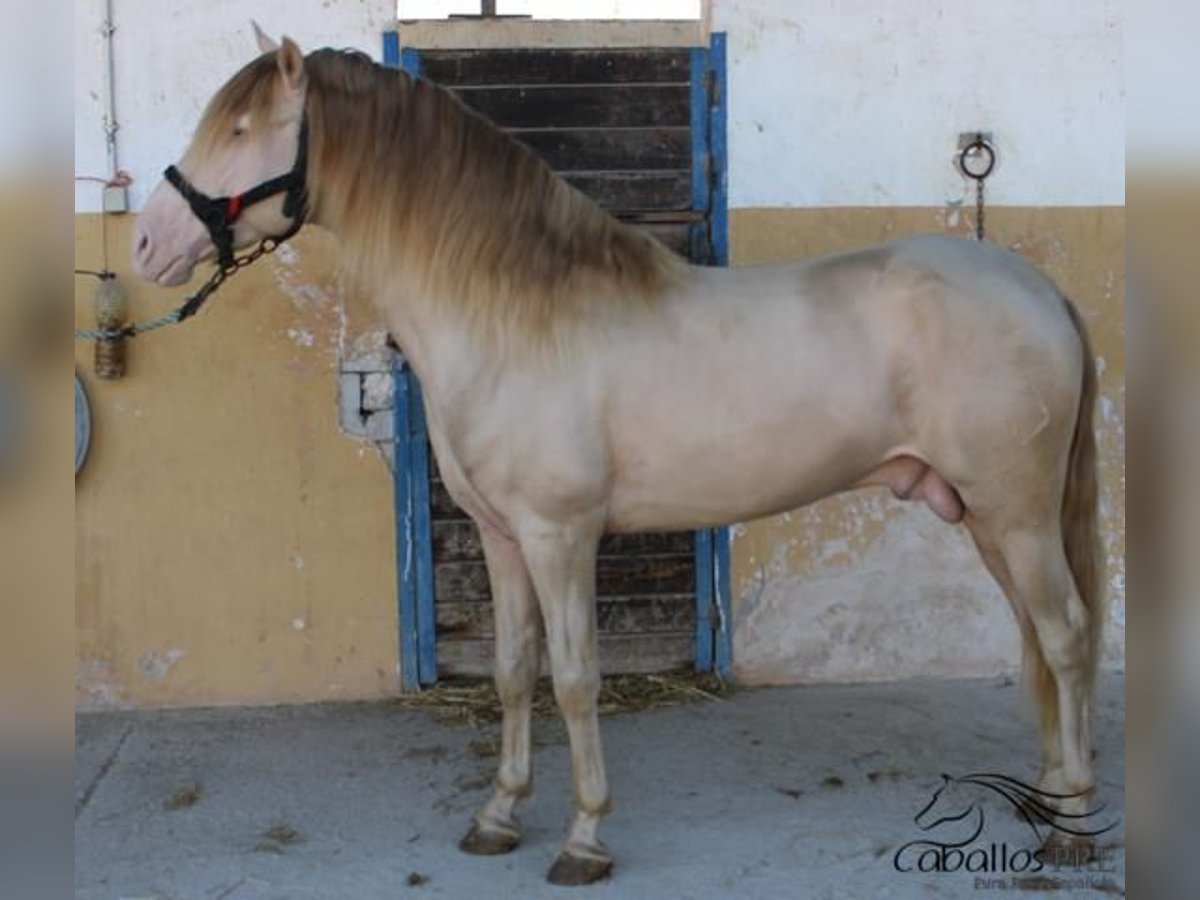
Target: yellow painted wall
863 587
232 546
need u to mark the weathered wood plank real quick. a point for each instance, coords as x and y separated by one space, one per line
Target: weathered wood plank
676 237
643 106
619 654
462 68
635 190
458 541
614 615
441 507
594 149
616 576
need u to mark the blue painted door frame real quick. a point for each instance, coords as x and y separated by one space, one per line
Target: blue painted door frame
709 239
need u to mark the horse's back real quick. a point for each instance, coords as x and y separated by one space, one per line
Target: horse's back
974 269
979 265
994 295
948 301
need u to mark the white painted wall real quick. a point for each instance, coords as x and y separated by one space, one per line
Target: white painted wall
172 55
846 103
832 102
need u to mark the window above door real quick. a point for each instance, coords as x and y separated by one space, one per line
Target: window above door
552 24
613 10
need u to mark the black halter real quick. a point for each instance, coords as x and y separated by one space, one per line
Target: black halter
220 213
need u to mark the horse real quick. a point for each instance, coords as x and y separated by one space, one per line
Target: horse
580 378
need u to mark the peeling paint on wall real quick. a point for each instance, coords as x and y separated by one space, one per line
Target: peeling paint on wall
824 538
157 666
910 600
300 337
97 686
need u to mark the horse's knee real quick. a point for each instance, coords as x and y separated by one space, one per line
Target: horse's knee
515 678
576 688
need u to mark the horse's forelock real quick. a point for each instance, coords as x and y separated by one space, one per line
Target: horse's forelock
251 91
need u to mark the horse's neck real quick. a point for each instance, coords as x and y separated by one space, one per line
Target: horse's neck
439 350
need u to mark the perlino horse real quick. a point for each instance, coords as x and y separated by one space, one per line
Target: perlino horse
572 366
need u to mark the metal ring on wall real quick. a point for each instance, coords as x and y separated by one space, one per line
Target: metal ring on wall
978 149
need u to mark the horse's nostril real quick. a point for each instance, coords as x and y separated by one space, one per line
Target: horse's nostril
142 250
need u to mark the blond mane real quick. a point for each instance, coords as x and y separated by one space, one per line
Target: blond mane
428 195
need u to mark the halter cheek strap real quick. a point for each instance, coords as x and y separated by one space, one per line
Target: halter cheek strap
220 213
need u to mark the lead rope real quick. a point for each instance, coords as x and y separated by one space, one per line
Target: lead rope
190 306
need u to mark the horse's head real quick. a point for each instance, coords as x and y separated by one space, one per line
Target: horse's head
242 178
949 803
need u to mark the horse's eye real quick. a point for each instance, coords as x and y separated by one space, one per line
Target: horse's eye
238 131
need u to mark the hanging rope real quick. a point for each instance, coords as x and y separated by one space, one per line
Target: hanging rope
187 309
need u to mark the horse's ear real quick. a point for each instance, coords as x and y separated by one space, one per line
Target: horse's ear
265 44
291 64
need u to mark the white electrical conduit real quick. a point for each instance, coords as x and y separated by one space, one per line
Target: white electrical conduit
110 94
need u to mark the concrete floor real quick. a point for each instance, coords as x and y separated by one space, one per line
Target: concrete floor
783 792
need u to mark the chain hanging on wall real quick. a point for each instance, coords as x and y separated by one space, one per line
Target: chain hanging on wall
976 160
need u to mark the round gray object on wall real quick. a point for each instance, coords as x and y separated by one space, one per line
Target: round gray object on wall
83 425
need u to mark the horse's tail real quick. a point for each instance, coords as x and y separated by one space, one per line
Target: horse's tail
1080 516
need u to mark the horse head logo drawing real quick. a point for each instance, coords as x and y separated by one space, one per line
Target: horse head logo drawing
952 802
957 801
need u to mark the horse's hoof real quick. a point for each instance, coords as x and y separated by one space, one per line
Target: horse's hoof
488 842
1071 850
569 869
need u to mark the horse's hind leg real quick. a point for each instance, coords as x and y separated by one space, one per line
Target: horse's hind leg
1028 559
1045 690
518 624
562 561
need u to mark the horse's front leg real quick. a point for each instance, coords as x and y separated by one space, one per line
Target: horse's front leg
495 828
562 563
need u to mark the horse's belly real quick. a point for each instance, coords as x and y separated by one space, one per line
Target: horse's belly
735 451
692 486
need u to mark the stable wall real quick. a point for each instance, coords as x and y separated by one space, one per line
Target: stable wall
843 130
234 546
